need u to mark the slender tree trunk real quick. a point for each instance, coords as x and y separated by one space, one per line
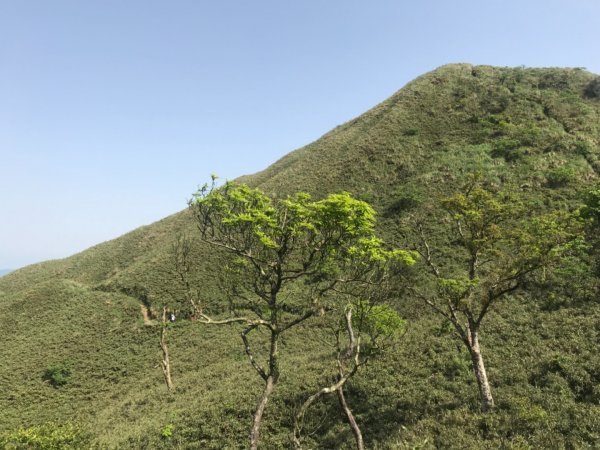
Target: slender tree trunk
272 376
300 416
166 361
260 409
350 353
309 401
485 391
353 425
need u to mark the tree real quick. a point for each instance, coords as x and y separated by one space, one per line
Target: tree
165 362
284 259
497 246
366 326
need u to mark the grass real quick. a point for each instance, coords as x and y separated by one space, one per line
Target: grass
535 129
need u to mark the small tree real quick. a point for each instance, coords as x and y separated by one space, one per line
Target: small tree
497 246
284 257
366 327
165 362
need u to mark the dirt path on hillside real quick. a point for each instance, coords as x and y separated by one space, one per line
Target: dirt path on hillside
145 315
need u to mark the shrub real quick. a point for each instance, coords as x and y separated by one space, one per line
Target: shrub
561 176
405 198
57 374
167 431
48 436
507 149
593 89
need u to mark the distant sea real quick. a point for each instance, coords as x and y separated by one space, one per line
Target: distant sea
4 271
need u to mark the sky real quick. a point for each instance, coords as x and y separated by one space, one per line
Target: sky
113 112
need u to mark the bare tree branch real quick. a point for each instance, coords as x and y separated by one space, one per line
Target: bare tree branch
253 361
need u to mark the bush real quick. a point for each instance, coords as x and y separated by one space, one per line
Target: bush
507 149
583 148
593 89
48 436
561 176
562 372
167 431
57 374
406 198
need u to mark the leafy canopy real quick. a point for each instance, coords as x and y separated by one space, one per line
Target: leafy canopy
502 243
276 241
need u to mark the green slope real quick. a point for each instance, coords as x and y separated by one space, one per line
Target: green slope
538 129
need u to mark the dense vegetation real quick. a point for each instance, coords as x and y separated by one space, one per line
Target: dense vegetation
81 363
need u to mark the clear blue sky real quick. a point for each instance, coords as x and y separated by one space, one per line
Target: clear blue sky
113 111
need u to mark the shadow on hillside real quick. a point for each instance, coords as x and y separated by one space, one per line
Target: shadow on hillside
378 416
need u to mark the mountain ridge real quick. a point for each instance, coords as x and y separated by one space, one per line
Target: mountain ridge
282 167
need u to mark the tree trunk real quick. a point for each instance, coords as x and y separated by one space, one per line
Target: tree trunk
270 377
350 353
300 415
355 429
166 360
258 414
485 392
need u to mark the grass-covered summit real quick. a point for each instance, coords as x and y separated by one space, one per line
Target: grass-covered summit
80 320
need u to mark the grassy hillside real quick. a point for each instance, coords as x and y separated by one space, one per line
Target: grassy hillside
535 129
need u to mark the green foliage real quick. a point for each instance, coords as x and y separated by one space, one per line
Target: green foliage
545 240
496 248
378 322
507 149
580 380
249 213
561 176
406 198
482 212
293 238
57 374
167 431
457 290
296 254
590 211
591 208
494 228
48 436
